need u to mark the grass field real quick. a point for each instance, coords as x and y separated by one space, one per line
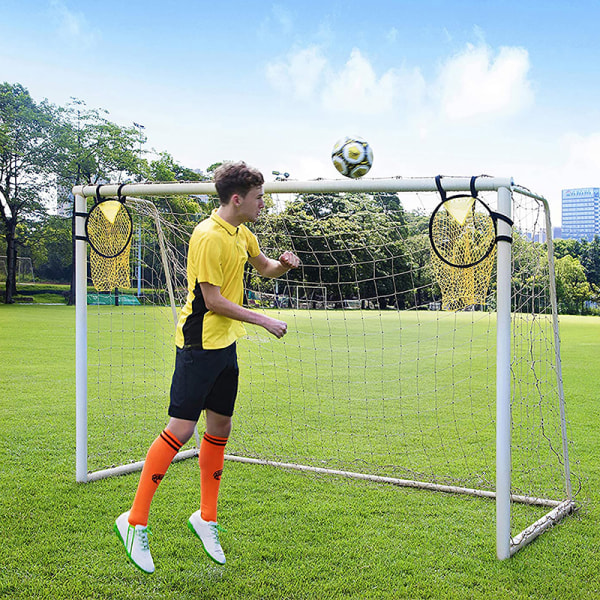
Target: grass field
289 535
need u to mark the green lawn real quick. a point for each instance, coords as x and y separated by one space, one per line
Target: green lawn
289 535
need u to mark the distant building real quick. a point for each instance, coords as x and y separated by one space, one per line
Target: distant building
580 213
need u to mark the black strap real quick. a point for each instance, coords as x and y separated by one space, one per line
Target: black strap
82 238
81 214
119 197
504 238
473 190
497 215
98 197
438 183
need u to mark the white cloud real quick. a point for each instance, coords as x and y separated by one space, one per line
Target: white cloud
71 25
583 158
474 82
298 75
355 88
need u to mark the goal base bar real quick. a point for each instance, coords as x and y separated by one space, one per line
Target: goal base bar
425 485
133 467
550 519
560 510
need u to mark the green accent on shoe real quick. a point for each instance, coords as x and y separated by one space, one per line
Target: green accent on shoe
142 538
215 530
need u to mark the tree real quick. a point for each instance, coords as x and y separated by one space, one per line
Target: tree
352 243
567 247
591 261
94 150
27 162
572 287
50 248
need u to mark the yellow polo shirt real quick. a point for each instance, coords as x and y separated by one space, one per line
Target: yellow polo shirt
217 254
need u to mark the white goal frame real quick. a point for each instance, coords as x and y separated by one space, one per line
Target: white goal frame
24 267
505 545
320 288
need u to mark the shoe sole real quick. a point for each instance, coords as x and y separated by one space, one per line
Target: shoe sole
127 551
193 530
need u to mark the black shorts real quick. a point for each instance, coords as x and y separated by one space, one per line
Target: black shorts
204 379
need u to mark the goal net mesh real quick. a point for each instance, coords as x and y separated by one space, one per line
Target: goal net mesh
372 376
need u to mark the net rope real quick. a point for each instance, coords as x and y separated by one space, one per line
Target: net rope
372 376
109 233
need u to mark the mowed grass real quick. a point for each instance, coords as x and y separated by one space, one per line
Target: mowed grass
289 535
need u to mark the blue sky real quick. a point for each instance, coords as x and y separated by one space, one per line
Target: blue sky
459 87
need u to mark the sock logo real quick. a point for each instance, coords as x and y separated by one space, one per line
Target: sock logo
157 478
217 474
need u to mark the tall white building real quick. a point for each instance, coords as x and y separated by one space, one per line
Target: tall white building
580 213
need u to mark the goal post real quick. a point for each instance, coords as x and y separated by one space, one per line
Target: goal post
397 391
310 296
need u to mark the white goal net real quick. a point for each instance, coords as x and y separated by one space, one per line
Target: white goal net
372 380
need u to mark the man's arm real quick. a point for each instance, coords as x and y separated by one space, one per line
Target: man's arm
220 305
268 267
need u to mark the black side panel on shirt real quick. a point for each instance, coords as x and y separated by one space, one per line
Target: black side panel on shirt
192 328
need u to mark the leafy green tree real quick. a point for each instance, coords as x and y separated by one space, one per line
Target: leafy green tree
352 243
179 213
572 287
93 150
418 252
27 165
50 248
567 247
591 261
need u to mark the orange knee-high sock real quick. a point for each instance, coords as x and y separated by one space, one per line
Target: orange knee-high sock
211 459
159 457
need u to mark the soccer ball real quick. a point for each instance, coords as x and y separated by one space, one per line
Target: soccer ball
352 157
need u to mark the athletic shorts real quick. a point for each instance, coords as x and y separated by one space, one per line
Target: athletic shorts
204 379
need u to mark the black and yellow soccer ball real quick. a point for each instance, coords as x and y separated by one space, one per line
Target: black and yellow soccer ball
352 157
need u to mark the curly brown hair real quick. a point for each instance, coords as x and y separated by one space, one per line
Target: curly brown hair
236 178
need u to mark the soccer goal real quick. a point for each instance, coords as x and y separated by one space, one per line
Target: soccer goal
24 269
385 385
310 296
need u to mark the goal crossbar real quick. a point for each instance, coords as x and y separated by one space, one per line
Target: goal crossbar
397 184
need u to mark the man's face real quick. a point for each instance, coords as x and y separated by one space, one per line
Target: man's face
251 204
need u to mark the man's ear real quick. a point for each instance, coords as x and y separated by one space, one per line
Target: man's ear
236 199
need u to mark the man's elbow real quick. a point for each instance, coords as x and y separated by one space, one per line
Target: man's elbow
211 302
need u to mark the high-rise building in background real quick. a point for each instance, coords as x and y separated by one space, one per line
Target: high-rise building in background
580 213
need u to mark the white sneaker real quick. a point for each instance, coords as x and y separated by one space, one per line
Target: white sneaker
135 540
208 533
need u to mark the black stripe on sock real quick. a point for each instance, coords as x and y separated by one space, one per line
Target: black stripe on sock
215 441
169 439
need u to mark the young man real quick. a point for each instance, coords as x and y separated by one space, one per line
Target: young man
206 370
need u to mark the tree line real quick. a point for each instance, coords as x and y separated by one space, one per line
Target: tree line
46 149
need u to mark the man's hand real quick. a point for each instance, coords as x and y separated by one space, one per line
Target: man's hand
276 327
289 260
221 306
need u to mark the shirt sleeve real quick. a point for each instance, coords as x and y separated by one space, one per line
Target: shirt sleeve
252 244
205 260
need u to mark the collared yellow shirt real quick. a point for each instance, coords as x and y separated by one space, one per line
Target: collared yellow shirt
217 254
